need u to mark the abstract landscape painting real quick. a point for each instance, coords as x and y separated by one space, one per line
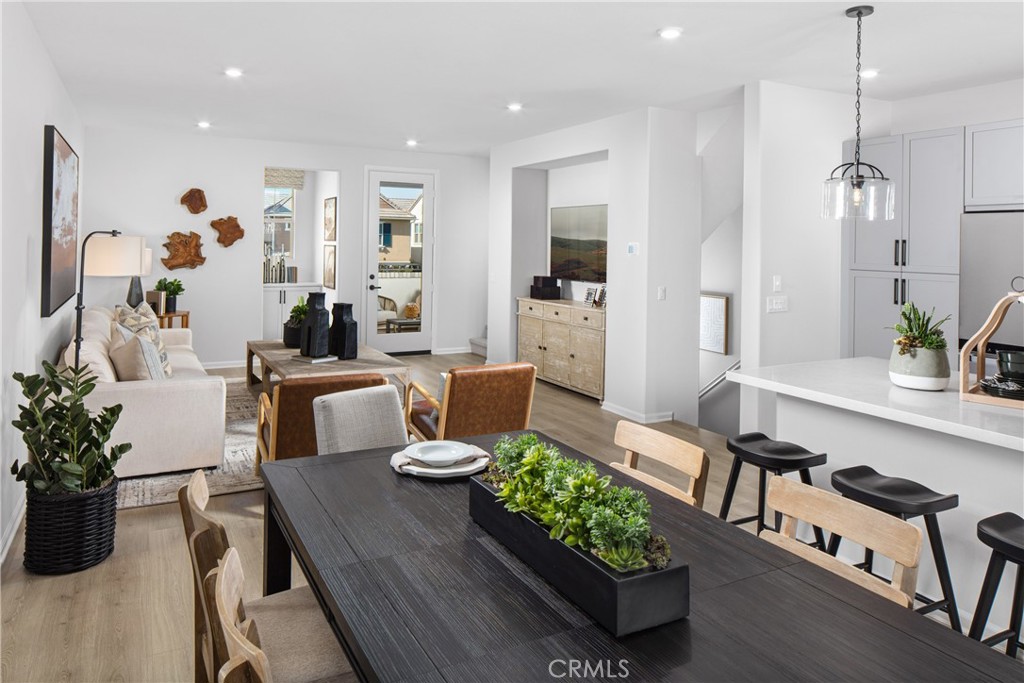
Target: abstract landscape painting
60 221
579 243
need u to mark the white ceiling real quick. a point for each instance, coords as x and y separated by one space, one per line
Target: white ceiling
375 74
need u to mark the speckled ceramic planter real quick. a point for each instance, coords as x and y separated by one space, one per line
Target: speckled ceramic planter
925 369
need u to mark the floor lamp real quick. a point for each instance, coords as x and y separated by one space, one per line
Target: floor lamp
112 255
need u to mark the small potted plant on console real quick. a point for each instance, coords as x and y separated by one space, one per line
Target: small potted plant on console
173 289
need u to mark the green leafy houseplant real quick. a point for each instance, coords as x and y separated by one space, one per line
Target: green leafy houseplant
578 506
298 313
917 330
67 443
171 287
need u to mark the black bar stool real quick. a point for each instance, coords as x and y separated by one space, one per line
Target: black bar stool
777 457
1004 533
905 499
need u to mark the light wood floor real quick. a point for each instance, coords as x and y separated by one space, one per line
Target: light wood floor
129 618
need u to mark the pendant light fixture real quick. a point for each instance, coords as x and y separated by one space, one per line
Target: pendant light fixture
858 189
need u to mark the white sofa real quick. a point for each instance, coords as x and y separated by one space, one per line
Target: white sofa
173 424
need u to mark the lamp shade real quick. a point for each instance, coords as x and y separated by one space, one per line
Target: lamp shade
871 199
147 262
109 256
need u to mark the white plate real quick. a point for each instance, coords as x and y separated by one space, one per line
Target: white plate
447 472
438 453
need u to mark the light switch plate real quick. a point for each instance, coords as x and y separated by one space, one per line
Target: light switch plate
777 304
632 248
661 294
776 283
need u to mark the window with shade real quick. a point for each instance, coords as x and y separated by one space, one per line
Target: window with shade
384 236
278 221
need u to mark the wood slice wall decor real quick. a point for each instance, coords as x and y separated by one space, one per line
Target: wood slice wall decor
183 251
229 230
194 200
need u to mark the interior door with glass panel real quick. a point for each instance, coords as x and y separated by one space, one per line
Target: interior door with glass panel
400 261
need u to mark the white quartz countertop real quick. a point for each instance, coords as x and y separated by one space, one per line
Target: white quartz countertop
862 385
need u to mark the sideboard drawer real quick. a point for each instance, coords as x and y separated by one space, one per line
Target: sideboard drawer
588 318
530 308
559 313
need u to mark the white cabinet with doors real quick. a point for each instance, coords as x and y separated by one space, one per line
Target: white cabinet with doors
933 182
994 166
277 305
565 340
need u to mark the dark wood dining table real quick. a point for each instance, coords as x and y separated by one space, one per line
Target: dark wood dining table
416 591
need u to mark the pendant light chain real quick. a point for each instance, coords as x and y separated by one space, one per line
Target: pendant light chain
856 154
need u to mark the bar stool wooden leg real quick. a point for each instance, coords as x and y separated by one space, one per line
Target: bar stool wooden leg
730 488
988 595
948 602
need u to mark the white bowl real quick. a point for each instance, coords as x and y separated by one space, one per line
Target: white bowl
438 453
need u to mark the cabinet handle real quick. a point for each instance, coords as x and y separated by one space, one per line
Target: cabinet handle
903 292
895 252
572 355
895 291
540 347
585 318
556 312
903 261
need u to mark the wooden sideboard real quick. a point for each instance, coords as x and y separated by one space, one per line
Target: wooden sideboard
565 340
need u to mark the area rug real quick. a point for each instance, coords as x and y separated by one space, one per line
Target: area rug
234 475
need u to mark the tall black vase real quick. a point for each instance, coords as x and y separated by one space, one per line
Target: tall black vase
344 341
315 328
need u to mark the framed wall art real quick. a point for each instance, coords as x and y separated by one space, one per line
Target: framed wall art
714 323
330 261
330 219
60 221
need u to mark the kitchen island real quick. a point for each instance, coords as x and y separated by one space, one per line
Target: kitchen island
849 409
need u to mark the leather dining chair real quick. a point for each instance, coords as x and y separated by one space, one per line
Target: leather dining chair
479 399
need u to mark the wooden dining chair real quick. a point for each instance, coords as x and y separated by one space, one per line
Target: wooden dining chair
882 533
678 454
299 642
479 399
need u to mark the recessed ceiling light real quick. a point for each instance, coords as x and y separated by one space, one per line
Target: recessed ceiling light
411 143
869 73
670 32
203 124
515 106
233 72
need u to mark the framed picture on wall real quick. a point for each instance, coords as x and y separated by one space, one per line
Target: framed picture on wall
714 323
330 261
330 219
60 221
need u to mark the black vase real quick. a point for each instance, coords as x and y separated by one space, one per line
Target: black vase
171 304
315 328
344 343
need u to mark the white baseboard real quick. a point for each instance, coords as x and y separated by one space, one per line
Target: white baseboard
222 365
10 532
451 350
642 418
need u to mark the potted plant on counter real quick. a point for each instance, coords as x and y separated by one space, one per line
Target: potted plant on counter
173 289
293 326
918 359
69 471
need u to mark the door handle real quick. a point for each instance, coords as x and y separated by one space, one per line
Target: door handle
903 292
903 260
895 252
896 291
373 287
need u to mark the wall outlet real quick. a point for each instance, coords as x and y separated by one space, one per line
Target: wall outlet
777 304
776 283
632 248
661 294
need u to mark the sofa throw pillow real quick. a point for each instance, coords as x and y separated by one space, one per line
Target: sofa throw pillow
142 320
136 359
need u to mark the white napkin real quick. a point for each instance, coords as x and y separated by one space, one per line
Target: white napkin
401 459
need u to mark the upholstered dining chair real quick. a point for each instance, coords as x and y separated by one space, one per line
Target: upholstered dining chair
878 531
358 419
284 424
293 643
680 455
478 399
292 618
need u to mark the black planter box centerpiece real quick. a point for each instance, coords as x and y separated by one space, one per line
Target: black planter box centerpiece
644 591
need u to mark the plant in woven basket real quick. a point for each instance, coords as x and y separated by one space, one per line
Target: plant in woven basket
917 330
67 443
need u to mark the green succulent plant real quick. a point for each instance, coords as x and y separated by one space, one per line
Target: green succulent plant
171 287
298 313
917 330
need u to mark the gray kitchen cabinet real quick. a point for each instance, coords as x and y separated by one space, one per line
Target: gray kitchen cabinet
994 166
933 181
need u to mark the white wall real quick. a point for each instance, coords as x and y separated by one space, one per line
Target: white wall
634 215
981 104
33 96
137 177
578 185
792 139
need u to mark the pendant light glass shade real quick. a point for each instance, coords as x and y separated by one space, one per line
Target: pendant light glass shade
871 199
